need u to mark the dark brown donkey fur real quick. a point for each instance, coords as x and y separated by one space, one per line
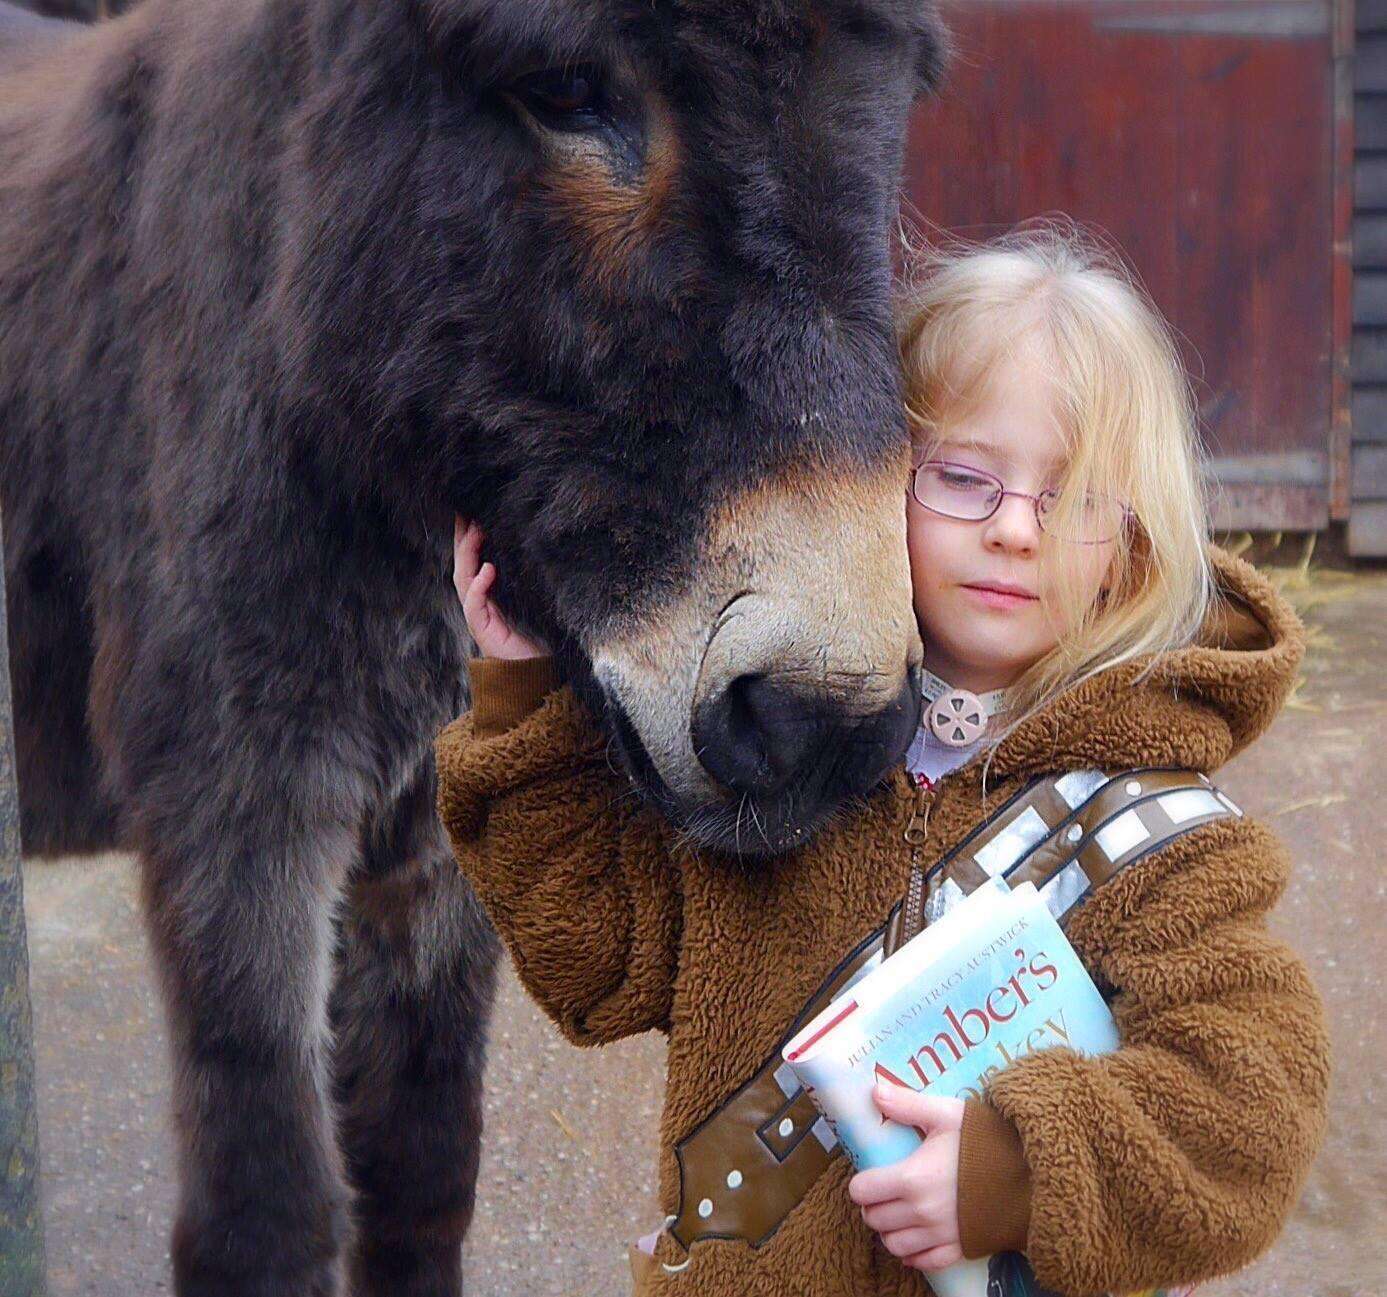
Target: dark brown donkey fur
283 285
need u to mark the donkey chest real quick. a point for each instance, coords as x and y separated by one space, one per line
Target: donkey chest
409 676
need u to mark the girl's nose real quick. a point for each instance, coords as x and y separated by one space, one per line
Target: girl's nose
1013 528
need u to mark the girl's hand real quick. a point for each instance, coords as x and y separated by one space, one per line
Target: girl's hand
473 581
913 1204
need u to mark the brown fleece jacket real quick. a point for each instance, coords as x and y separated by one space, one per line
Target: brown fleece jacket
1171 1160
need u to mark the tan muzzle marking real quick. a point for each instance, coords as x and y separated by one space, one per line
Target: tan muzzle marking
805 578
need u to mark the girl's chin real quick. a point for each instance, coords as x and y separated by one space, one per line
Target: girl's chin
972 660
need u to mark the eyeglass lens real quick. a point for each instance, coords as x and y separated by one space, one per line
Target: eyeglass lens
971 495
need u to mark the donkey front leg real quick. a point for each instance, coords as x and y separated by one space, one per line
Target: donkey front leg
241 926
414 991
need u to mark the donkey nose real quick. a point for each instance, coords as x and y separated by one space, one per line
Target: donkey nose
755 735
760 736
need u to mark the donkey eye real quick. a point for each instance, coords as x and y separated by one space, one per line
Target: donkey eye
868 28
564 99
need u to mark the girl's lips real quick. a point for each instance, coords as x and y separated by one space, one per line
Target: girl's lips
996 597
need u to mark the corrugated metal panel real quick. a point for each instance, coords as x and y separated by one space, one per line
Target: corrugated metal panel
1370 470
1370 64
1370 297
1267 19
1370 241
1370 181
1369 413
1367 529
1370 121
1340 439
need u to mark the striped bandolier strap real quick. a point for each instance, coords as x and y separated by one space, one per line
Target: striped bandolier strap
744 1169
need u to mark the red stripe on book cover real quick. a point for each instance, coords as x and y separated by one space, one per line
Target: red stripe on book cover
821 1033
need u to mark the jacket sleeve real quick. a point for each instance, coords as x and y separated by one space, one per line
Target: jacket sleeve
1180 1155
575 872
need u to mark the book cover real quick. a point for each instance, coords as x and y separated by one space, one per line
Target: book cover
993 980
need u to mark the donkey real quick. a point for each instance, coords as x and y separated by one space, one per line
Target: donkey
286 284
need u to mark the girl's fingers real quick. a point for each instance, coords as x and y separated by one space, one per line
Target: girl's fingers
886 1216
472 545
459 580
912 1242
925 1112
474 582
466 554
472 537
466 551
476 606
880 1184
484 580
489 628
936 1258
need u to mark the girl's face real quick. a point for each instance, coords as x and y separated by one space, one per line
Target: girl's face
981 599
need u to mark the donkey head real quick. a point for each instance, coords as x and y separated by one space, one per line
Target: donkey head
623 277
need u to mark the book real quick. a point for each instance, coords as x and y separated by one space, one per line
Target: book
994 979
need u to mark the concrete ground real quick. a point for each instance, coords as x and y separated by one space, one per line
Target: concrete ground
567 1172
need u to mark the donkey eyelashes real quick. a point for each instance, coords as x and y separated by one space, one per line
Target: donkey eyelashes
580 108
572 98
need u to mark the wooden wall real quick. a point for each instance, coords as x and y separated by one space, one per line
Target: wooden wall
1199 135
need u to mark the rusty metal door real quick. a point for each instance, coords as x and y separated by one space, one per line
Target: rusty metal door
1200 134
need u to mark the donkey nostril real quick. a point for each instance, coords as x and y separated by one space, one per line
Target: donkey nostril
751 721
753 736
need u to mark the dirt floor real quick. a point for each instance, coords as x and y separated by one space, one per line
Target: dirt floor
567 1173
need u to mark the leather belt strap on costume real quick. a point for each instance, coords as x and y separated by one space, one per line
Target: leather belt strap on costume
749 1165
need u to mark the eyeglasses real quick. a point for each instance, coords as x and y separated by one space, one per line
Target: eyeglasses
973 495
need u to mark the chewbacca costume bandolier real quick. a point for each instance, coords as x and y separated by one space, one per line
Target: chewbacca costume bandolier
1174 1159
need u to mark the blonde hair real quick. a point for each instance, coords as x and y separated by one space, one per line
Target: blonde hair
1127 418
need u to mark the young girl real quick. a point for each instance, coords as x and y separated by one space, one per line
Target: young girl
1075 621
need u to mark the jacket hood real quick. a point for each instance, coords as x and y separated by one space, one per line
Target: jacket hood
1191 708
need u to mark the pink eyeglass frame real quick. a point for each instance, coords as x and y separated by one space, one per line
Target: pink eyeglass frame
1002 493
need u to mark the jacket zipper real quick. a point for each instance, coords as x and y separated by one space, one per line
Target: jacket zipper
916 833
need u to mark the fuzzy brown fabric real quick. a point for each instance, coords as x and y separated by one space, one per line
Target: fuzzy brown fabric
1172 1160
505 691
